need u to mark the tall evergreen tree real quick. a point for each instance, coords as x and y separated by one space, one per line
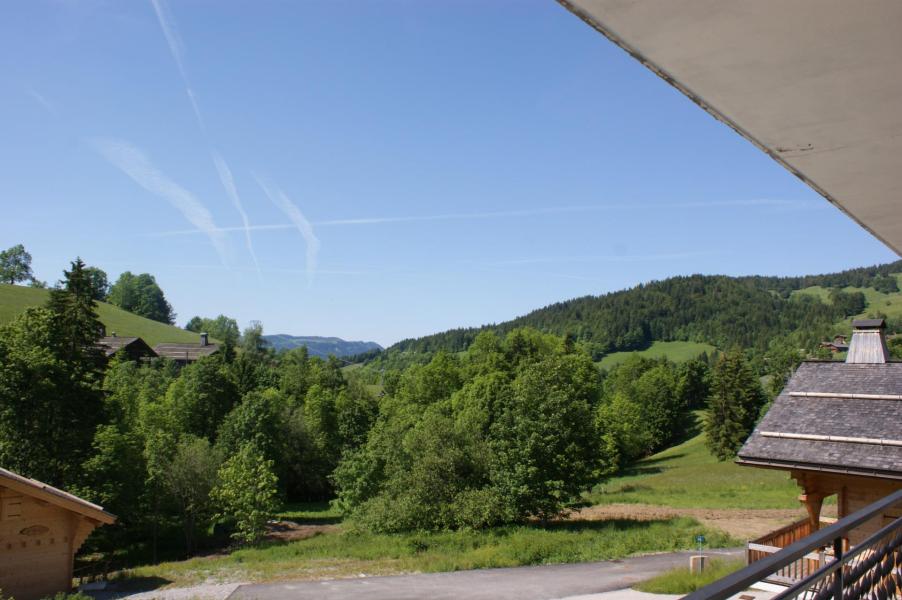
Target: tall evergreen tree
733 407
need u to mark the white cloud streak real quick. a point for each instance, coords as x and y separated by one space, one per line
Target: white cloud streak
175 48
131 161
300 222
43 101
553 210
228 182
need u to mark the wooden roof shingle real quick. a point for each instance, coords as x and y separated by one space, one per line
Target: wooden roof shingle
833 416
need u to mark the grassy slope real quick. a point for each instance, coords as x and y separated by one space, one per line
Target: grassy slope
15 299
687 476
888 304
348 553
675 351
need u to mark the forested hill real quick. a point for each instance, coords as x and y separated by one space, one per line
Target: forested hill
715 309
320 346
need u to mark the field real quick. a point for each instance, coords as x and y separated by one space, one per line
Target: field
347 553
14 299
687 476
675 351
888 304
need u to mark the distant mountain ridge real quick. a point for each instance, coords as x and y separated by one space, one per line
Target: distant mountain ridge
320 346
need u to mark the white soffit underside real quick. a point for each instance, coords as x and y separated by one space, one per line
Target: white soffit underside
816 84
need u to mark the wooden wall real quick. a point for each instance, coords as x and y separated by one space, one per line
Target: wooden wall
853 493
37 545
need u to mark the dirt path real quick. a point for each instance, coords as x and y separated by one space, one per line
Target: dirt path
741 523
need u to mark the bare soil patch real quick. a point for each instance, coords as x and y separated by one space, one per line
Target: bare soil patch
741 523
289 531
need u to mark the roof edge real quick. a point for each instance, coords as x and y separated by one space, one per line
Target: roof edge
784 465
55 496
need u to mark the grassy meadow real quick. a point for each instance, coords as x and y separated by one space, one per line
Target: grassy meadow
348 553
687 476
675 351
14 299
681 581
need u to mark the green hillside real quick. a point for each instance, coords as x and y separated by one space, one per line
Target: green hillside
674 351
687 476
14 299
718 310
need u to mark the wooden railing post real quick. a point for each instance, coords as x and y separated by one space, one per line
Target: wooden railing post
838 574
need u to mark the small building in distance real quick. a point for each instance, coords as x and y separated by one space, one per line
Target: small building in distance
837 429
838 344
187 353
41 529
134 347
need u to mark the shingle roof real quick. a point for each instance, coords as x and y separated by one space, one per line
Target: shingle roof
112 343
189 352
818 403
58 497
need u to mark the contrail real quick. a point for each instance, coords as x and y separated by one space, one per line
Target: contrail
510 214
167 24
48 106
175 47
228 182
131 161
295 215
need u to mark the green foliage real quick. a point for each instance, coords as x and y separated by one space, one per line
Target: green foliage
733 408
201 397
502 435
140 294
645 405
222 328
97 281
50 400
188 478
246 492
15 265
681 581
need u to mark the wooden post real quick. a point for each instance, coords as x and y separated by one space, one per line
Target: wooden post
813 502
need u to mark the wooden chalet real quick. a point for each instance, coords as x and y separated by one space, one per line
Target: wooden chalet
837 429
839 344
134 347
41 529
187 353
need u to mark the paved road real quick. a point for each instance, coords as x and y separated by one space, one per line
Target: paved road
522 583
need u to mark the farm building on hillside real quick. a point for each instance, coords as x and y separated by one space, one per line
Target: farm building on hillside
836 428
134 347
187 353
838 344
41 529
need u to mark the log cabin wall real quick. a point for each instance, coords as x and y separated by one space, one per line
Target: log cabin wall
38 542
853 493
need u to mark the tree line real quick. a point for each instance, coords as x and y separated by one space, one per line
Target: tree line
723 311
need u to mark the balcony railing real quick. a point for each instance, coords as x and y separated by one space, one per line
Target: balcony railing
776 541
871 569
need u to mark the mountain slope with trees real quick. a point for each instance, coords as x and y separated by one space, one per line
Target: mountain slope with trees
321 346
719 310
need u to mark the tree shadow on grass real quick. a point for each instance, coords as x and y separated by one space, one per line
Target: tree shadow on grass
126 586
577 525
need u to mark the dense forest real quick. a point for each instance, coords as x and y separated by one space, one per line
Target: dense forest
723 311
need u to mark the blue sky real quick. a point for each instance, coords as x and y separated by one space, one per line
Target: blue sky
377 170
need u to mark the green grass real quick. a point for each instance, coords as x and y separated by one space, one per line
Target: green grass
687 476
888 304
681 581
347 553
309 513
675 351
14 299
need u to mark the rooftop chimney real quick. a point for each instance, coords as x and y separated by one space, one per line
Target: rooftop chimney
204 339
868 345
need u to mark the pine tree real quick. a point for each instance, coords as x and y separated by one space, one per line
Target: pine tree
733 407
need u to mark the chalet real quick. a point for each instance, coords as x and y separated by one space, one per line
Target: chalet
837 429
187 353
134 347
838 344
41 529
